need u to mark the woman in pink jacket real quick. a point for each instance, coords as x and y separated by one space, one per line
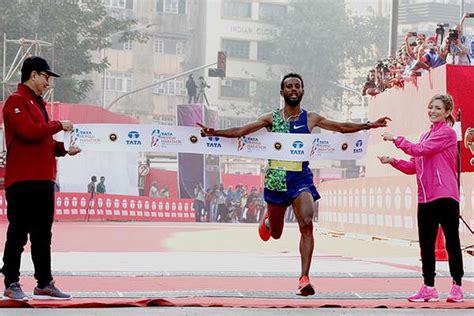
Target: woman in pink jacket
433 160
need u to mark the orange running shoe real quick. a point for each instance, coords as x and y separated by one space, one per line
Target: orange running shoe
305 287
262 229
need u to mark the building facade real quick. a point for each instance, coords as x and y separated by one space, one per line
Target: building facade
170 50
239 28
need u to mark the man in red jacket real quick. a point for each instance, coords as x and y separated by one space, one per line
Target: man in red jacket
29 180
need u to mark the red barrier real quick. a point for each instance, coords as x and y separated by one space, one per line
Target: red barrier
79 206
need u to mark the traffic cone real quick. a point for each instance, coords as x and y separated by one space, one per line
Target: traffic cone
440 250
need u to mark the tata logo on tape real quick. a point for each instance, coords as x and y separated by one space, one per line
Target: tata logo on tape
133 138
213 142
296 149
358 145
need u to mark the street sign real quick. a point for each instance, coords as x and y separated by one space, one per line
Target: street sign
143 169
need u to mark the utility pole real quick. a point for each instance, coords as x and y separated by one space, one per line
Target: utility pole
392 44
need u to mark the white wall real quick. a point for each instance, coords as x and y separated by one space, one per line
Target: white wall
119 169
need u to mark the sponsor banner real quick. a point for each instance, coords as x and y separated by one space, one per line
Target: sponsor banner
80 206
184 139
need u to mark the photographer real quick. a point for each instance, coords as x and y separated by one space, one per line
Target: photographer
369 86
453 51
428 54
419 40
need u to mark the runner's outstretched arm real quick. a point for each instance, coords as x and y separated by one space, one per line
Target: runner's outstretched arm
344 127
234 132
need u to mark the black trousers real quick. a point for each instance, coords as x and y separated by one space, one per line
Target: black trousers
444 212
30 211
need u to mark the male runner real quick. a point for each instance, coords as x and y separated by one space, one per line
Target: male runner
290 182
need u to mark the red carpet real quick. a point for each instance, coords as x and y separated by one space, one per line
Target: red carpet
235 302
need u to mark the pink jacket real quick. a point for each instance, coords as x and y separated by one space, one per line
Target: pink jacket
434 162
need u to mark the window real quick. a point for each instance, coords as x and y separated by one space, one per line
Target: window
235 88
165 120
114 3
236 49
225 123
159 46
238 8
118 81
271 10
172 87
264 50
169 46
117 44
179 48
128 45
118 4
171 6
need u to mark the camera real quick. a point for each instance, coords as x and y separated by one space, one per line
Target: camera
382 65
453 35
440 28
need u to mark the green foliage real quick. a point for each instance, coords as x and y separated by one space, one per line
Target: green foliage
75 28
319 39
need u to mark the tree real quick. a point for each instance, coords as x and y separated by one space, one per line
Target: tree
75 28
319 39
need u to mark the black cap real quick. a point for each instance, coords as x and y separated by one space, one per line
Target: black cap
35 63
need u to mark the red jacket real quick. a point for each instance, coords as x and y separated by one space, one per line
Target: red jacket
31 149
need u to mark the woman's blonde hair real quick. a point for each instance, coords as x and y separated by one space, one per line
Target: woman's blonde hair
448 106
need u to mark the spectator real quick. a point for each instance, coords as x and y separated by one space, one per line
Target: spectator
154 192
429 55
198 204
221 205
369 86
229 196
91 187
208 203
165 192
453 51
101 186
411 50
202 90
191 87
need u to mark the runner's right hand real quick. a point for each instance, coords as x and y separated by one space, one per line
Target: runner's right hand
206 131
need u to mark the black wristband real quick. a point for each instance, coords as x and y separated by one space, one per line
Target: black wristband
366 125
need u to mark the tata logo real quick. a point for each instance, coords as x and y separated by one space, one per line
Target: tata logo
297 148
133 138
134 134
358 145
213 141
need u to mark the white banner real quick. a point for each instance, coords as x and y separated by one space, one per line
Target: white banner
164 138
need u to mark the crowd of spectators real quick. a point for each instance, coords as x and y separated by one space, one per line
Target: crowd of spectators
234 205
419 54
